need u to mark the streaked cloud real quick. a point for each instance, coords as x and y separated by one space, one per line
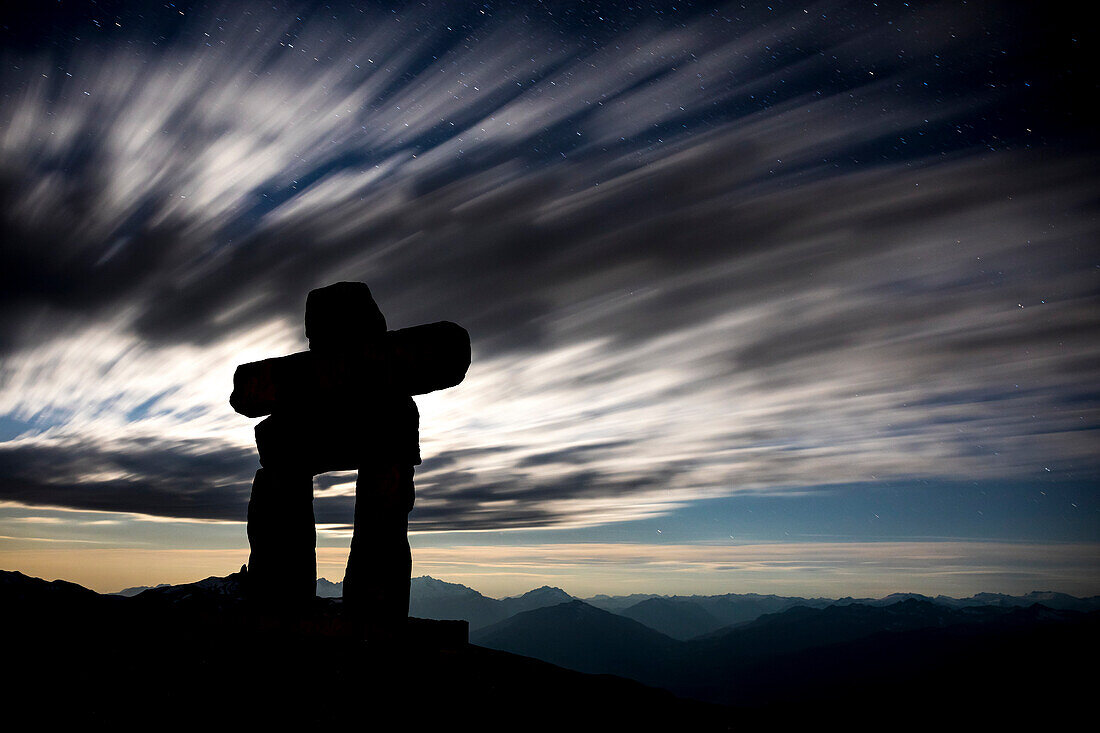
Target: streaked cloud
819 568
695 261
809 569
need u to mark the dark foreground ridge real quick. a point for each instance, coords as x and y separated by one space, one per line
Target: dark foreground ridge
192 653
808 663
189 655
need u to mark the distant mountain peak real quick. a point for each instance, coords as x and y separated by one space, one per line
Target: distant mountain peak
426 585
547 590
138 589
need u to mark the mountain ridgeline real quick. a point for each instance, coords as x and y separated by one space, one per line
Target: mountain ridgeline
751 656
807 659
679 617
763 651
197 654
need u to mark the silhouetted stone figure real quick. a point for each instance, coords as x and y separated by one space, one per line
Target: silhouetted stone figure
345 404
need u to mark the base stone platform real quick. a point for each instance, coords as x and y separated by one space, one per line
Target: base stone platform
438 634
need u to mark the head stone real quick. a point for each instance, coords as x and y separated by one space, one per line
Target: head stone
342 315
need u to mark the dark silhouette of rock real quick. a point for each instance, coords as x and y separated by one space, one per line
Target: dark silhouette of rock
192 655
409 361
342 314
346 404
282 536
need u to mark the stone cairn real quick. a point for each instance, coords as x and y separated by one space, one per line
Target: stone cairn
346 404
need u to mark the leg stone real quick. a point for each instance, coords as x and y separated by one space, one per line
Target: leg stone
282 565
376 583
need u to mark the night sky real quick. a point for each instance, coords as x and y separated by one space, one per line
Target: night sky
764 297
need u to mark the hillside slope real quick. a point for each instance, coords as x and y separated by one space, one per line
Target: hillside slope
190 655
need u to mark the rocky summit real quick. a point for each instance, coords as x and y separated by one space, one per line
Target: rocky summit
193 654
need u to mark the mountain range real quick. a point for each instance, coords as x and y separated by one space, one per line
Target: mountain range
768 656
680 617
814 657
758 654
191 655
767 652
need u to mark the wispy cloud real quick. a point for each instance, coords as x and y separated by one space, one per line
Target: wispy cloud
821 568
693 261
807 569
